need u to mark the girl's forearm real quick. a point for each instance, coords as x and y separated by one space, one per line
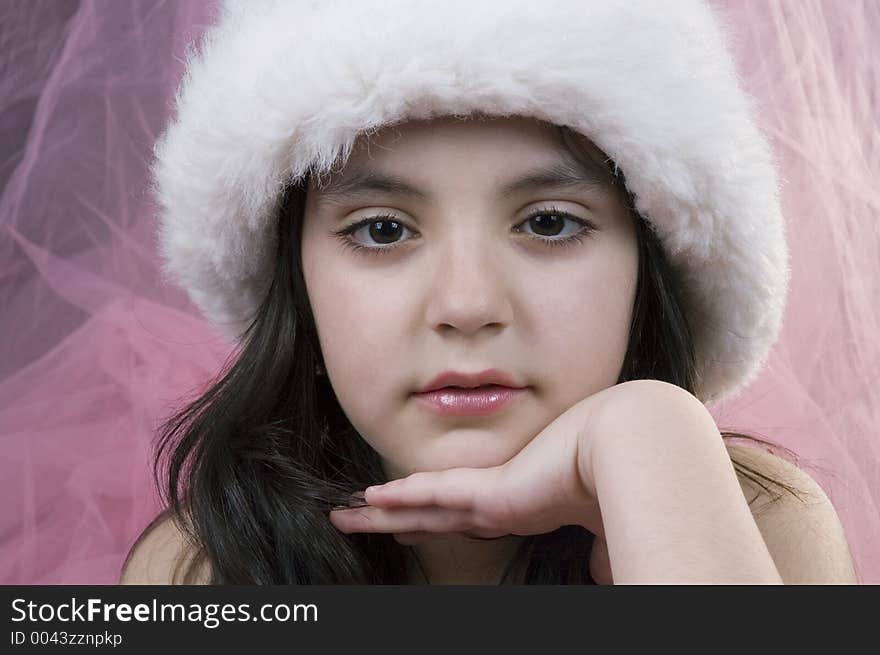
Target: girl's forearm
672 508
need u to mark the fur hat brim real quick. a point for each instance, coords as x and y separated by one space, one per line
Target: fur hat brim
280 88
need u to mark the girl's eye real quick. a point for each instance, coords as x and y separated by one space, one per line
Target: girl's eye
385 229
551 221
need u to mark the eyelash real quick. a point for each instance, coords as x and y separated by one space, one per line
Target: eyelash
345 237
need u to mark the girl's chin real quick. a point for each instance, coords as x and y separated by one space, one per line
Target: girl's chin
465 449
441 463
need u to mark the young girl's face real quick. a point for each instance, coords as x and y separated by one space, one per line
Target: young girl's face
457 278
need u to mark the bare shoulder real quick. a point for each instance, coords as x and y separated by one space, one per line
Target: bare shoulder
161 555
803 532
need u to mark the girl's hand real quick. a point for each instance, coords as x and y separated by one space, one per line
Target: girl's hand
546 485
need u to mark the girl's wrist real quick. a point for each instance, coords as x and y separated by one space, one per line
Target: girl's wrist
605 414
659 469
623 412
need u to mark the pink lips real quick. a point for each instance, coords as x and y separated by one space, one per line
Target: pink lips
468 402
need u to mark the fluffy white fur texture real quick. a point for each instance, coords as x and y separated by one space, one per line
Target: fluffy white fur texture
277 88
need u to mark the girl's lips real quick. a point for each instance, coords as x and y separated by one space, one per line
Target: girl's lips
468 402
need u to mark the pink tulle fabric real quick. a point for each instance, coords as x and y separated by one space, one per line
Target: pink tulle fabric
95 351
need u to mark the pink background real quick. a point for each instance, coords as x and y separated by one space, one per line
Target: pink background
94 351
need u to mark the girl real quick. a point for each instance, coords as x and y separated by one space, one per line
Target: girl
499 256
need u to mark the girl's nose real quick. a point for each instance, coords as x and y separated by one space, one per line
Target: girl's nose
469 290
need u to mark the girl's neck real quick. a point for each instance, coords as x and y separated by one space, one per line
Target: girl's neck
457 560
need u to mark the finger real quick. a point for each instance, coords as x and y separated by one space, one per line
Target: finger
485 535
412 538
400 519
453 488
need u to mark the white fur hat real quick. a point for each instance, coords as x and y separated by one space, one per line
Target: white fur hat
279 88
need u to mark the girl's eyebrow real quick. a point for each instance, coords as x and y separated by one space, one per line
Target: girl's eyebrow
559 176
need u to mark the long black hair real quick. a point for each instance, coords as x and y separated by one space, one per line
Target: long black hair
251 468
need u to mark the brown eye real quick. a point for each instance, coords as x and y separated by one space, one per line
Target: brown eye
384 231
547 224
551 222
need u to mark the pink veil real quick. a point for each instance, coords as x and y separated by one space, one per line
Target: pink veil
94 351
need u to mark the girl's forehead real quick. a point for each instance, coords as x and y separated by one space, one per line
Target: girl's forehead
413 136
502 142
